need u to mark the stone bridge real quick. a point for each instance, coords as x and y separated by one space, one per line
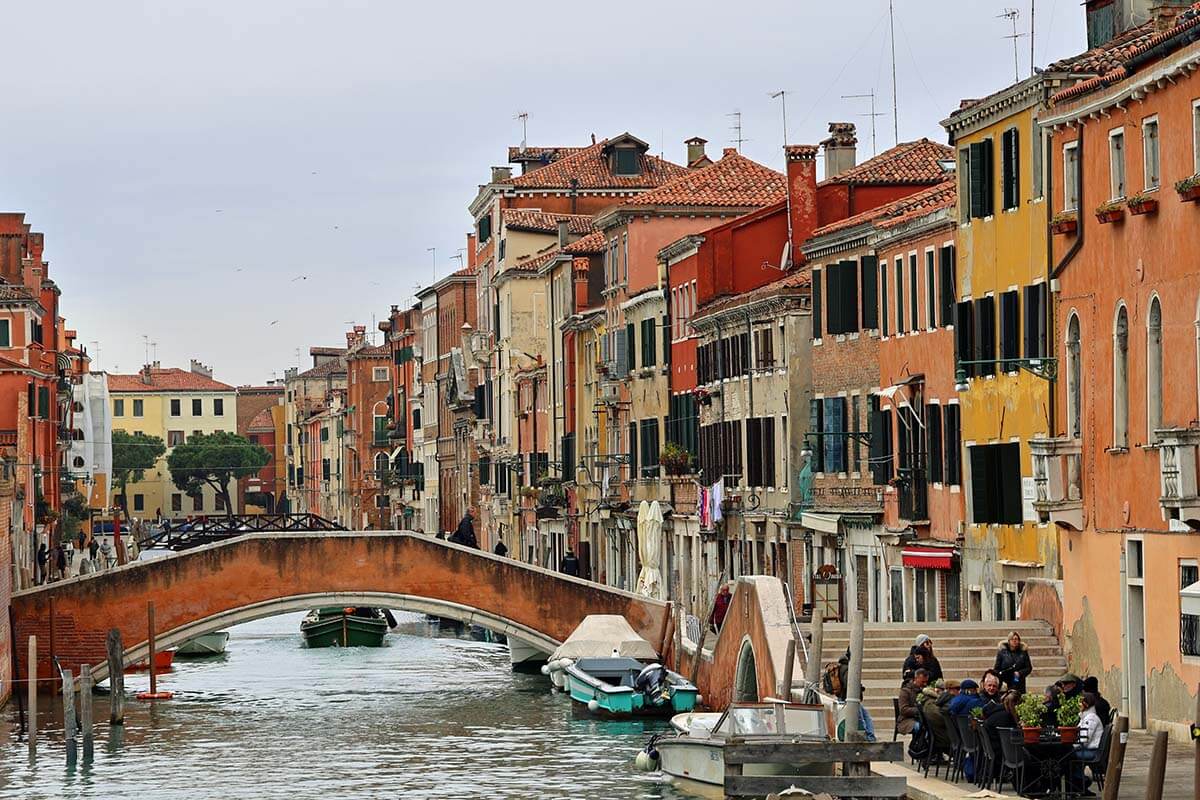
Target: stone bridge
258 575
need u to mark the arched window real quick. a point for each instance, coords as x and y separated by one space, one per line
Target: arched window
1121 379
381 464
1074 379
1154 370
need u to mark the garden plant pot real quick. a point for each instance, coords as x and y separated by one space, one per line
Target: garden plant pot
1032 735
1145 207
1190 195
1068 735
1065 227
1105 217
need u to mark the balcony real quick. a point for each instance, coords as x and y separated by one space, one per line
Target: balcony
1058 479
1178 450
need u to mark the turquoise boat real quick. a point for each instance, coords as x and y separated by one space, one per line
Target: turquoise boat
625 687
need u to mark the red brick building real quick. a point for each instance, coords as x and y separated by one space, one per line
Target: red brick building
252 402
371 436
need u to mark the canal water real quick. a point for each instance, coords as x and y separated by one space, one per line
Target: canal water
430 715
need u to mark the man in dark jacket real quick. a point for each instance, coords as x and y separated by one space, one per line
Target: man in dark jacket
569 564
501 549
464 534
909 695
1013 664
43 557
921 657
1068 685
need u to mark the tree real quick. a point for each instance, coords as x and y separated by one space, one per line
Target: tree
216 460
132 455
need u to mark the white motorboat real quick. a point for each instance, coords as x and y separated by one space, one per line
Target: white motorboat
598 636
206 644
694 753
524 657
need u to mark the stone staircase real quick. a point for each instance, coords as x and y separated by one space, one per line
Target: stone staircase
965 650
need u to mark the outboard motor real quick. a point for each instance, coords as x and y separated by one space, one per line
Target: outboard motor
652 683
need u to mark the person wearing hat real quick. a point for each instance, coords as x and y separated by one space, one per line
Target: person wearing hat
921 656
967 698
1065 687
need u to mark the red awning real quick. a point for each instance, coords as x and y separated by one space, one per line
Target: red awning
927 557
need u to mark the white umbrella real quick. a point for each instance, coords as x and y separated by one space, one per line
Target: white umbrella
650 582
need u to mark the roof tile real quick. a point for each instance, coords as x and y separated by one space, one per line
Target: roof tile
909 162
545 222
733 181
943 195
168 379
590 168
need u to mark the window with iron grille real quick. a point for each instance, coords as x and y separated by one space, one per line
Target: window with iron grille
1189 624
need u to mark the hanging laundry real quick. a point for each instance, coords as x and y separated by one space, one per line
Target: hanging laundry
718 494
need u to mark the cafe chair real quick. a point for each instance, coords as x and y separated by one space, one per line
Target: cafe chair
1013 759
896 718
985 772
968 746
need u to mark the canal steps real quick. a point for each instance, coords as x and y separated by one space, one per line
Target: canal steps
964 649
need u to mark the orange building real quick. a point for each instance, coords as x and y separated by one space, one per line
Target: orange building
1118 475
372 435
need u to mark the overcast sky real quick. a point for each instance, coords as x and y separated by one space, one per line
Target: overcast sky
190 161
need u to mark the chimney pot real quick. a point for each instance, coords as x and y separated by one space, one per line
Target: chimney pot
501 174
840 148
695 149
729 151
563 232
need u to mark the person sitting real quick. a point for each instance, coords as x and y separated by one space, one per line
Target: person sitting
909 695
997 716
1012 663
967 699
1065 687
1087 749
866 725
1103 707
930 700
990 695
923 647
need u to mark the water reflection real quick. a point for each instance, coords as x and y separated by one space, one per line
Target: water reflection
426 716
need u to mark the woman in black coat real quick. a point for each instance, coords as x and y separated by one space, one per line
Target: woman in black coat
1013 664
921 657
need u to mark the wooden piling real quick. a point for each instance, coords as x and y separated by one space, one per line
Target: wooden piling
1158 767
853 688
1116 758
69 723
812 670
31 673
1196 757
788 667
85 710
150 633
116 678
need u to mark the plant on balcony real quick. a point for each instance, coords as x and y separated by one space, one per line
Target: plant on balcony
1064 222
1189 188
1110 211
1141 204
676 460
530 492
551 493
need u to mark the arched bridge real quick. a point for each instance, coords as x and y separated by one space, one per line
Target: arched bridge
258 575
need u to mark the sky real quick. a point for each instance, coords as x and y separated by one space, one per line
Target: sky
235 182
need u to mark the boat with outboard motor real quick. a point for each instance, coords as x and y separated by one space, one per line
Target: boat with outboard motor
625 687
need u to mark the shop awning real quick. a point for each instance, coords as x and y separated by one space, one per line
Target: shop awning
821 523
927 557
1189 599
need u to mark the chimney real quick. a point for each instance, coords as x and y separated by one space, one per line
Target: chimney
563 233
200 369
695 150
500 174
840 152
579 272
356 337
146 375
802 194
1164 13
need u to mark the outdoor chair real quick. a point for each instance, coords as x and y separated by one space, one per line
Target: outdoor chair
1012 762
896 718
1100 765
956 747
933 753
968 746
985 771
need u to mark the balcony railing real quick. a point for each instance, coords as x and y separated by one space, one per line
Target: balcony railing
1178 456
1058 480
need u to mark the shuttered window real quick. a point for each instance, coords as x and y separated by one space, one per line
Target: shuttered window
933 441
649 343
899 295
633 449
567 452
1010 330
835 426
884 308
1011 168
953 439
1035 321
881 443
980 179
985 335
949 285
816 424
913 293
931 304
842 297
964 336
816 303
869 267
996 483
485 471
760 447
631 361
620 354
649 448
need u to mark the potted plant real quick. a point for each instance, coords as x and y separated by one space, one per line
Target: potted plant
1142 204
1064 222
1068 719
1110 211
976 715
1189 188
675 459
1030 711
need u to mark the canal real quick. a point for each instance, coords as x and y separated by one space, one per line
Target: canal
430 715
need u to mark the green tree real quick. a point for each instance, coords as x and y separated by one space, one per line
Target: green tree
216 460
132 455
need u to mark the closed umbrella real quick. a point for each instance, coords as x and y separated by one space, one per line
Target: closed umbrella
650 582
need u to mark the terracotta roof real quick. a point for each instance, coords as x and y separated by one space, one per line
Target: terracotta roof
168 379
326 351
910 162
14 293
517 155
324 370
262 421
796 282
590 245
942 195
375 351
590 168
734 181
545 222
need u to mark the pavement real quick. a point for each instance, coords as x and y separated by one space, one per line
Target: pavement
1177 785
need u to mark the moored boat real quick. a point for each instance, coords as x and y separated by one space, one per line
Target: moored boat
625 687
206 644
162 662
344 627
598 636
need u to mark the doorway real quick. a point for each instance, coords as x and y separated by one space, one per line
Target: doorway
897 576
745 681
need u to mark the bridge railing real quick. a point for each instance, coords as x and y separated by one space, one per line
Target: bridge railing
206 530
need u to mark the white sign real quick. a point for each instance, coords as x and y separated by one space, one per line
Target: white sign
1028 495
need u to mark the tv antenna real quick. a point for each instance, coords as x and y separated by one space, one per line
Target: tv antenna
1011 14
895 102
96 347
872 115
146 346
524 117
785 260
736 127
434 251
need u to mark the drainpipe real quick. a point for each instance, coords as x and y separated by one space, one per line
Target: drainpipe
1060 267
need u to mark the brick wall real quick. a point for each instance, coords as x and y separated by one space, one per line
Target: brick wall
6 572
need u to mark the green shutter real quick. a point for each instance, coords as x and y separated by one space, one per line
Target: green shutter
631 362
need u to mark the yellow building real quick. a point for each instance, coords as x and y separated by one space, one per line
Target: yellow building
1004 368
172 404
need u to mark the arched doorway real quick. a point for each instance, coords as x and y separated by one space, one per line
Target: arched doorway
745 678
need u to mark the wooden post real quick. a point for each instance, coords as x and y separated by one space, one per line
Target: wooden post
812 670
1116 758
1196 758
69 724
53 652
1158 767
150 634
85 710
31 673
679 638
854 693
116 678
788 667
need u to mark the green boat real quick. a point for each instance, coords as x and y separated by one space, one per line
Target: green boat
344 627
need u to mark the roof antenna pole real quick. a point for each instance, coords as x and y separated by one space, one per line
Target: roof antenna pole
782 95
872 115
1012 14
1032 21
524 117
736 127
895 102
434 251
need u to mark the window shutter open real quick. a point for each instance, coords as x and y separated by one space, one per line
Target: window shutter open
953 445
816 440
948 285
816 303
988 178
933 447
1010 326
877 449
980 477
964 336
975 178
849 296
870 292
833 293
631 360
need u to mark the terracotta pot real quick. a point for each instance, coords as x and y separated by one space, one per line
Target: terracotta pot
1145 207
1066 226
1032 735
1068 735
1105 217
1190 195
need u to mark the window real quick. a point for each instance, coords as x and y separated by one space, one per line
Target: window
177 502
1189 624
650 449
325 469
1036 139
951 425
964 336
841 281
760 441
816 303
833 418
764 349
1074 379
930 287
880 423
484 227
1036 305
883 299
899 294
379 374
985 335
1121 380
139 407
1196 137
176 408
218 407
139 502
118 408
1011 168
869 267
632 448
626 161
1010 327
1154 371
1071 176
5 333
933 442
912 291
980 179
1116 164
964 185
948 284
218 502
649 342
1150 157
197 408
198 503
996 484
174 438
201 433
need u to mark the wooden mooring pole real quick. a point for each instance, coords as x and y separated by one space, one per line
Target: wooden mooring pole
150 630
1158 767
1116 758
788 667
85 711
1196 757
812 670
853 689
69 724
116 678
31 673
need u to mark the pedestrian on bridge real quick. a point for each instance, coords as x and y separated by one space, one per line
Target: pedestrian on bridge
501 548
464 534
43 559
569 564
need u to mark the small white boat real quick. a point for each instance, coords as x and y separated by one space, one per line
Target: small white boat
206 644
598 636
695 752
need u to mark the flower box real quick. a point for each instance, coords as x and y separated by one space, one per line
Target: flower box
1189 189
1068 735
1032 735
1140 205
1065 224
1109 212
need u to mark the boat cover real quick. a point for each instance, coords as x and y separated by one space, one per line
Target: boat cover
599 634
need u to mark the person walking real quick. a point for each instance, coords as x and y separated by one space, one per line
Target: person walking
501 549
569 564
43 559
60 561
464 534
1013 664
93 549
721 606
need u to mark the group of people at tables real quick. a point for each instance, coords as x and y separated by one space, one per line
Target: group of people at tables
997 694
